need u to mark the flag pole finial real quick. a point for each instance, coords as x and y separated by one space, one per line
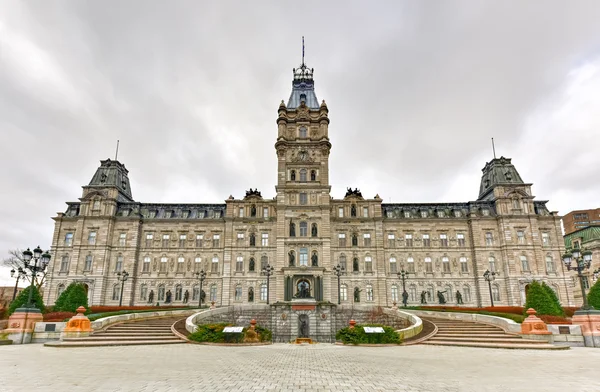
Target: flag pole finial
302 50
493 148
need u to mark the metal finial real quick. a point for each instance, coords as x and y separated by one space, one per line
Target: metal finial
117 152
493 148
302 50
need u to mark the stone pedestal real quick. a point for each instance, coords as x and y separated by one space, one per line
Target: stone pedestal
533 325
21 325
78 326
589 321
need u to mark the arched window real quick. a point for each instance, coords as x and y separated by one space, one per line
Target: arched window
410 265
449 294
180 264
496 292
163 264
251 264
146 264
313 230
394 293
446 265
251 294
239 264
161 293
263 292
428 265
143 292
492 263
368 264
238 293
214 266
313 175
195 292
119 263
116 292
293 175
393 265
464 267
344 292
178 293
412 292
343 262
264 260
524 263
252 239
369 293
302 175
59 290
64 264
302 130
466 293
303 229
550 264
213 293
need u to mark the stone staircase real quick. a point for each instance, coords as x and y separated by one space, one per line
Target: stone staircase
471 334
153 331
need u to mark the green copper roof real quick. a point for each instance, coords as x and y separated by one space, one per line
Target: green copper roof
588 234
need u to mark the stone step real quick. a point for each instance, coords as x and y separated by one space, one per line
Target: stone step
463 331
544 346
470 335
117 338
480 326
107 334
84 343
507 339
138 329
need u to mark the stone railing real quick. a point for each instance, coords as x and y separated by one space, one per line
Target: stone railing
415 327
107 321
506 324
195 319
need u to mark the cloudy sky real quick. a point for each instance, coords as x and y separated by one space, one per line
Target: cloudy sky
191 89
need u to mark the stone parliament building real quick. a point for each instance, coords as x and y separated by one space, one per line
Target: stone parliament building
303 232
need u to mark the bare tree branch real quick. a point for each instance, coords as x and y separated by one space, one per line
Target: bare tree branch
15 261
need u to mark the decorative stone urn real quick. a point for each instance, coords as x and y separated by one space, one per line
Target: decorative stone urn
533 325
352 323
78 326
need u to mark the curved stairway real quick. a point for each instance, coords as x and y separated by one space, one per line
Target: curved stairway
152 331
471 334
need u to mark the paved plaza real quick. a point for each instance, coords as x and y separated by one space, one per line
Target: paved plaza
284 367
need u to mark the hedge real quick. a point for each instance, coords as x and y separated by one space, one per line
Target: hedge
357 335
213 333
594 295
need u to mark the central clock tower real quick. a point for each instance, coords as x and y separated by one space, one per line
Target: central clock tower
303 195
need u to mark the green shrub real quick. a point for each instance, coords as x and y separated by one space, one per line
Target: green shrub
554 298
21 300
357 335
539 299
264 334
74 296
213 333
594 295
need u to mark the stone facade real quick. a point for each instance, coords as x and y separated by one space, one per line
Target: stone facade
586 239
303 232
580 219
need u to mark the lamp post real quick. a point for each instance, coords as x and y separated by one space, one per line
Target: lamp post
583 261
31 260
403 275
122 277
268 271
490 277
338 270
19 276
200 276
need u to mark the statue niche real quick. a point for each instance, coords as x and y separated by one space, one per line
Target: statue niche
252 239
292 258
292 229
354 240
353 211
302 289
315 260
313 230
253 211
355 264
252 265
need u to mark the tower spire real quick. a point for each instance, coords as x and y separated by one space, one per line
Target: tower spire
302 50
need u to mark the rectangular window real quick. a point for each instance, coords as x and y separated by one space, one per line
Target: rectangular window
303 229
393 265
369 293
524 263
88 263
343 292
428 265
426 241
69 239
182 239
197 264
241 213
303 257
64 264
460 238
265 212
408 240
520 237
489 239
550 264
239 264
216 240
163 264
122 239
199 240
214 266
92 238
340 212
446 265
263 292
545 239
238 293
368 264
146 264
119 264
464 267
367 239
149 238
165 241
265 239
303 199
180 264
143 292
391 240
492 264
444 240
240 237
365 212
213 293
410 262
342 240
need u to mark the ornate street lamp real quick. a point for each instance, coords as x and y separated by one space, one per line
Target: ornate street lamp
403 275
583 261
267 271
35 262
490 277
338 270
122 277
200 276
20 275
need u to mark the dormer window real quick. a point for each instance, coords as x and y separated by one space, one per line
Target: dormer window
96 205
302 130
508 176
302 97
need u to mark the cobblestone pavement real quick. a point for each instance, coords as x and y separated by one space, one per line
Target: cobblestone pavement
283 367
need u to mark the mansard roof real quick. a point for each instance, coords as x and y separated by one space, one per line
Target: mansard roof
499 171
450 210
112 174
303 89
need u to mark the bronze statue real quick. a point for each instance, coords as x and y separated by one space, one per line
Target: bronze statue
441 298
354 240
151 297
355 264
253 210
186 296
292 229
423 297
353 210
356 294
404 298
168 300
315 259
252 239
303 329
314 230
292 258
250 294
251 265
459 298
